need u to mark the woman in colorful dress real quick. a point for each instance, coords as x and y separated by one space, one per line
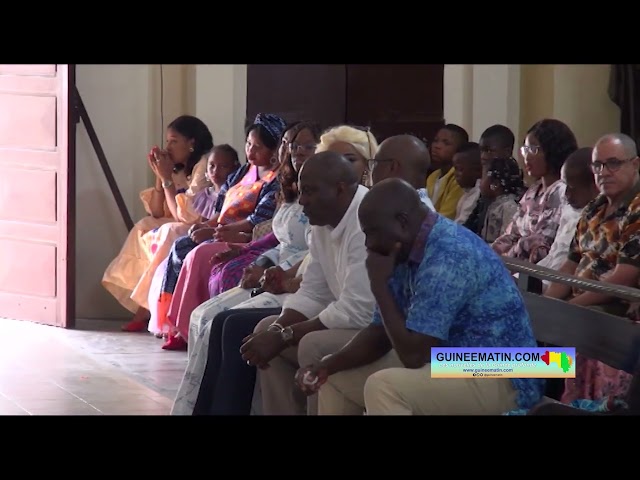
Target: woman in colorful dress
180 174
245 265
533 229
250 199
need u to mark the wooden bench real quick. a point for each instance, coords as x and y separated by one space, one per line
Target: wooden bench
609 339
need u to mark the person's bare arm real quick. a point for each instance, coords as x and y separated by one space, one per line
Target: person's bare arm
559 290
156 204
367 346
624 275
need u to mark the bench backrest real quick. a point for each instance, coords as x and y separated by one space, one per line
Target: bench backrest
607 338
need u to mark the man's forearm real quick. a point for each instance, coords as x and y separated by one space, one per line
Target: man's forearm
290 317
558 291
591 298
369 345
410 346
308 326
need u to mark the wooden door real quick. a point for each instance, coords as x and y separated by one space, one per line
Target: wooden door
396 99
36 194
297 92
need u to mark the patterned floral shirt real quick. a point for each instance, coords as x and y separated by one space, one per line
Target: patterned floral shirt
534 226
479 305
600 242
498 216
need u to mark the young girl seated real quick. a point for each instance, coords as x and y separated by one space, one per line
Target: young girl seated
502 189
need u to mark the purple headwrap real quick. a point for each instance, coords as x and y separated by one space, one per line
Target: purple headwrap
272 123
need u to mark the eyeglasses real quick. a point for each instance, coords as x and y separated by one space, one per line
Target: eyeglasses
612 164
532 149
309 147
374 161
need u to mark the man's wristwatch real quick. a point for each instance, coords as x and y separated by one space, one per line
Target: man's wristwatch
285 332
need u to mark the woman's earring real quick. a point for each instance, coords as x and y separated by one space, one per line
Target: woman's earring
493 187
191 149
273 160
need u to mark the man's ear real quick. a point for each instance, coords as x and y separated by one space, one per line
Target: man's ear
403 219
395 168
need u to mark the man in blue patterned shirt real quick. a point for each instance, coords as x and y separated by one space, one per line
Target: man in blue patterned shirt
436 284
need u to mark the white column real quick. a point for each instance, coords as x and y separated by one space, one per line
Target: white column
496 98
221 102
458 95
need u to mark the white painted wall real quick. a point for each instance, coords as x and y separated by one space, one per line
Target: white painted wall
117 100
221 102
458 95
123 102
478 96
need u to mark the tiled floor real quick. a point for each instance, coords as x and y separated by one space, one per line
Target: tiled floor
93 370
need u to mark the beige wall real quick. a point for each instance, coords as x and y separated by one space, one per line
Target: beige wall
575 94
124 104
478 96
536 96
118 101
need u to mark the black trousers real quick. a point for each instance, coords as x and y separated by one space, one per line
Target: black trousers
228 382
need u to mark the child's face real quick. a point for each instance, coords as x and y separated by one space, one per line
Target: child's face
443 148
464 172
219 167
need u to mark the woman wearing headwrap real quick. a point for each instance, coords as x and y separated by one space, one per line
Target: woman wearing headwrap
245 266
501 189
248 199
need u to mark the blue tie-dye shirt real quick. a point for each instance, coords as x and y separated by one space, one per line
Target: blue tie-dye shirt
456 289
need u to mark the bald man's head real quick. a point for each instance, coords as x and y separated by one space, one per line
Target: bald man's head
615 164
391 213
329 167
626 144
402 156
327 184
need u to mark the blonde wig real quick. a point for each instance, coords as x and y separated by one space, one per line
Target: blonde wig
361 139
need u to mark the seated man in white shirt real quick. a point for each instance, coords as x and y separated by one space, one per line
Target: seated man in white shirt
405 157
468 171
581 188
334 300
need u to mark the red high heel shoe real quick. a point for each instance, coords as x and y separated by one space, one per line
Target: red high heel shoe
135 326
175 342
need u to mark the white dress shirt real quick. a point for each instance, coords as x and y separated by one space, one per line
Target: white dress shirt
560 248
335 285
467 202
424 197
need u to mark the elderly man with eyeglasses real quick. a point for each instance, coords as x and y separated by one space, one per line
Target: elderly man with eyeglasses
606 247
